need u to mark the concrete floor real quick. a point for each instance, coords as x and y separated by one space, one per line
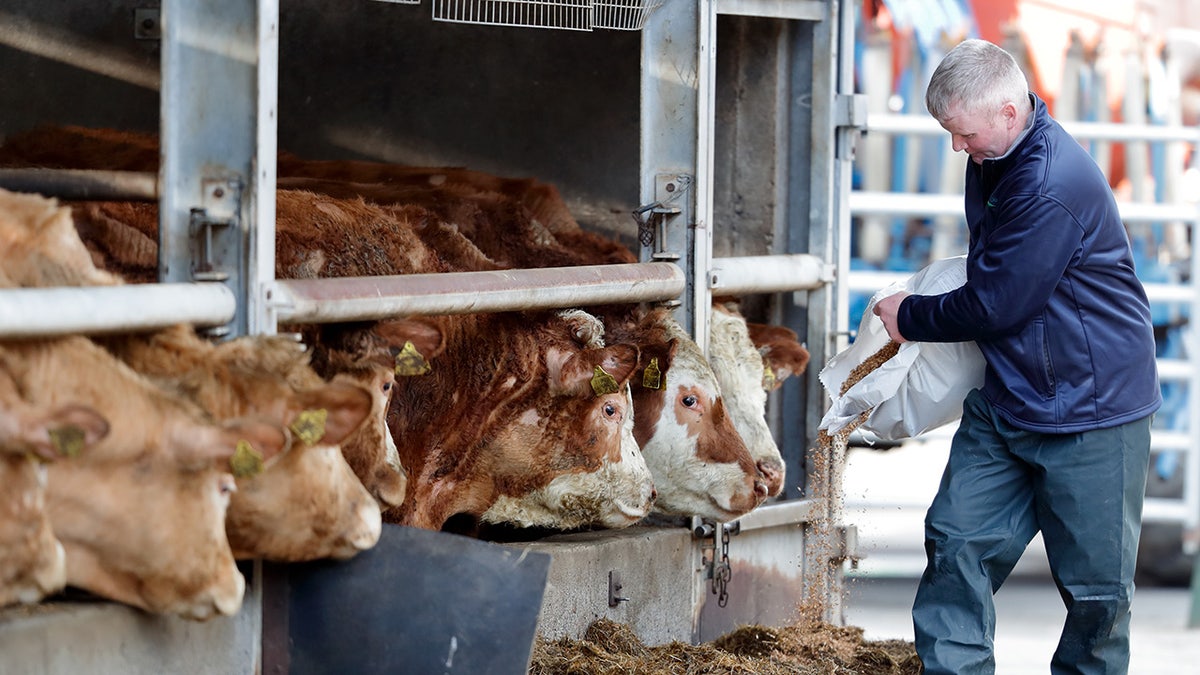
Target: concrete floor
886 496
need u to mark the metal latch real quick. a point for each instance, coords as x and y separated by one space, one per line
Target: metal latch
614 589
208 223
850 110
848 546
670 191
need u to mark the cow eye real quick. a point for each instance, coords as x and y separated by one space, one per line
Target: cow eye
387 386
227 485
689 401
610 409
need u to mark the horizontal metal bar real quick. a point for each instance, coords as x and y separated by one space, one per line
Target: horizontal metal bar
869 281
925 125
923 205
767 273
790 512
365 298
1171 440
803 10
69 184
1161 509
46 312
1175 369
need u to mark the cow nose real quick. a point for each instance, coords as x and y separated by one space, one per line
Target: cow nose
760 489
653 495
772 474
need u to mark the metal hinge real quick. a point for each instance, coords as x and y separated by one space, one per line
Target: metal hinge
670 191
850 110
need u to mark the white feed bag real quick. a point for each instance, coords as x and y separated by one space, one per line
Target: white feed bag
922 387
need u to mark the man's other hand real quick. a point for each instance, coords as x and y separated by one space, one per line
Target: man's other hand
886 310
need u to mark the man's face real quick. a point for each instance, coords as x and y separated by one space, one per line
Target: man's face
983 133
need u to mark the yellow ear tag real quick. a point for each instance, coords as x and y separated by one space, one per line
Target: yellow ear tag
246 461
768 381
67 440
309 426
410 362
652 377
603 383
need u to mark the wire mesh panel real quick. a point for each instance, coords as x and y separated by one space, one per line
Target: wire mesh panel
561 14
622 14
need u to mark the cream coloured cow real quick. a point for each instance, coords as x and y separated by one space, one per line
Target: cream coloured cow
32 561
141 514
305 502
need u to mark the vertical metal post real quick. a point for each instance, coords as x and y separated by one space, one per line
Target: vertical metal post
218 102
675 47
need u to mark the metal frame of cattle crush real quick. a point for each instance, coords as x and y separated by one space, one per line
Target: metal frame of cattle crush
216 262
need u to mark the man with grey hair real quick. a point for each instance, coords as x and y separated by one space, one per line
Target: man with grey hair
1057 439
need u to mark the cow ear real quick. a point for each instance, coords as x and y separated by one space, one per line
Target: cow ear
783 353
620 361
425 335
217 444
67 431
784 360
595 371
63 432
331 413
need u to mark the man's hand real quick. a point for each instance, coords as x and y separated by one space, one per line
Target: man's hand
886 310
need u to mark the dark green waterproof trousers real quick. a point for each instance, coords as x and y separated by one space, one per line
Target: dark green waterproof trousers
1002 485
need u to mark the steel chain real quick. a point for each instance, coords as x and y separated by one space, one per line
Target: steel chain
722 571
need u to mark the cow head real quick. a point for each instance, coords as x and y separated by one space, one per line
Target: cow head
739 369
700 463
588 469
307 503
154 536
374 355
522 420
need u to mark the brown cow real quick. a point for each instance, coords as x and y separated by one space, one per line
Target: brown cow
783 353
535 441
725 479
520 423
32 561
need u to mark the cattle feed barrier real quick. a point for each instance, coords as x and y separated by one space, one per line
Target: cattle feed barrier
768 274
362 298
109 309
